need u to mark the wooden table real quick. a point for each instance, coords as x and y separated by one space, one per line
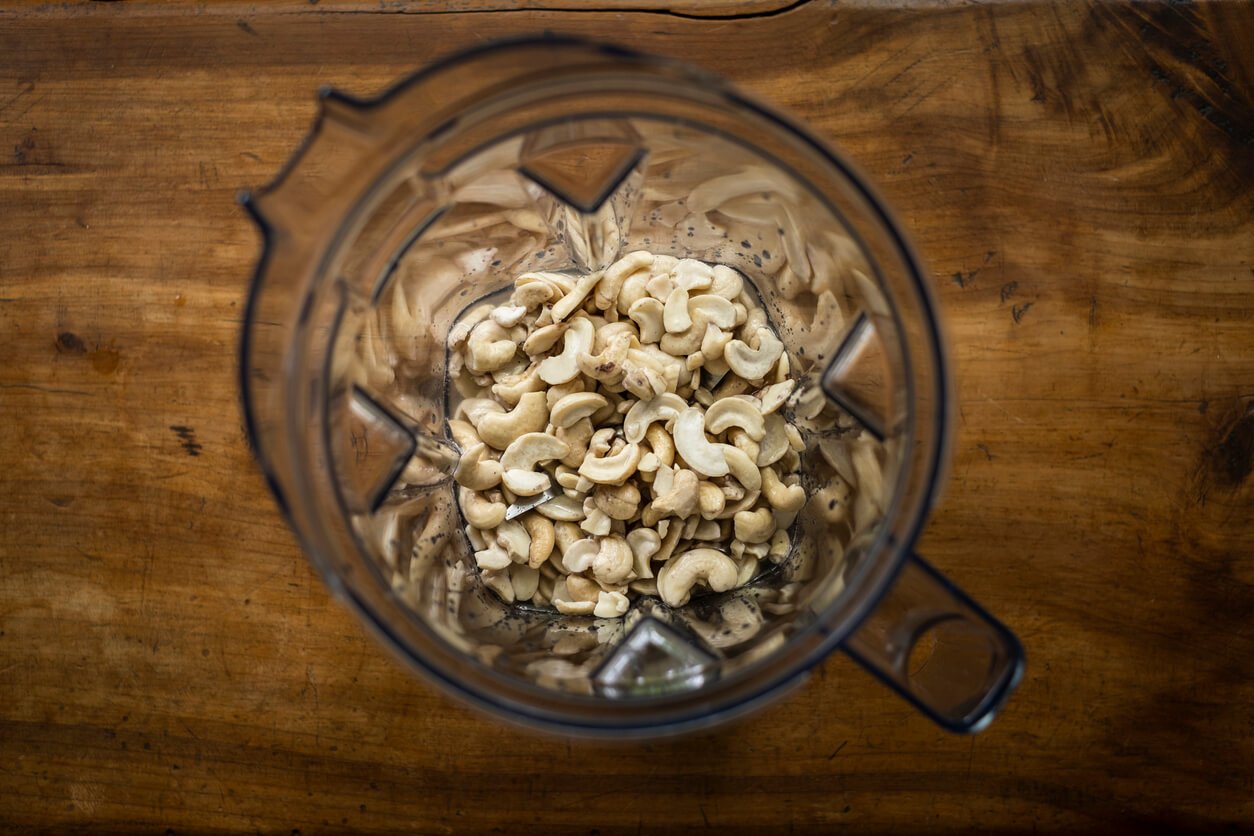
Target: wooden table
1080 179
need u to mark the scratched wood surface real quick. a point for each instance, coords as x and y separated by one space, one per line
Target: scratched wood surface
1080 179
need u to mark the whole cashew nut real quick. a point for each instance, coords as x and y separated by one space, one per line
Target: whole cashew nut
576 342
618 502
575 407
609 289
543 537
786 498
579 555
754 526
613 562
480 511
476 471
735 412
710 500
611 469
644 543
512 389
677 576
754 363
647 313
489 347
511 536
499 429
640 417
690 442
521 457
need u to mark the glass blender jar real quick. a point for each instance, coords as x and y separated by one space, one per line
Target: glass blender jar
400 212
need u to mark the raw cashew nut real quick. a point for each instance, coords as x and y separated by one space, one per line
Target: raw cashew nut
647 313
635 288
608 365
663 367
575 407
691 274
665 408
576 342
710 500
512 389
754 526
644 543
565 306
543 338
579 555
560 508
786 498
618 502
543 536
742 467
463 433
498 429
682 498
754 363
726 282
476 471
489 347
525 580
609 289
566 534
686 342
613 562
521 457
713 342
492 558
480 511
775 443
735 412
611 469
576 438
690 442
678 575
660 444
511 536
610 605
774 396
675 316
714 310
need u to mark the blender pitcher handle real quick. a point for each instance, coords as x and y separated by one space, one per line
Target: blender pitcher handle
938 649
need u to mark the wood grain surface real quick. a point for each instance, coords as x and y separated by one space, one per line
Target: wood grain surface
1080 179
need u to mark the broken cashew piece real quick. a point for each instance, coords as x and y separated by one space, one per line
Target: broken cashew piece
682 498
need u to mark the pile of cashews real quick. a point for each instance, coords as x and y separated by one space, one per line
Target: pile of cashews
645 402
